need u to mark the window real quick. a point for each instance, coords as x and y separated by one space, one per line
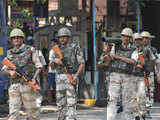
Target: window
53 5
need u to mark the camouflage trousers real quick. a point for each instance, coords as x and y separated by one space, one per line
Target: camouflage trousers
144 98
107 81
65 98
19 93
125 85
150 99
141 95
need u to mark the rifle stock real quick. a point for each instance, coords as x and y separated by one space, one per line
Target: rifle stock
9 64
59 53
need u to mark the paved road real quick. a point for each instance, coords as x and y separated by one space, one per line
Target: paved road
84 113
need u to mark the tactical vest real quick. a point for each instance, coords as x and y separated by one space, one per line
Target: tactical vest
154 50
22 59
120 66
69 53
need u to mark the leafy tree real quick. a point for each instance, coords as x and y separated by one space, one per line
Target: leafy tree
25 14
132 4
14 2
42 1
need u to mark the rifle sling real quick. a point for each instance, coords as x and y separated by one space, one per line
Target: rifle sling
140 56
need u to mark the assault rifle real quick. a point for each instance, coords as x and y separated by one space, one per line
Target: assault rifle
27 80
142 66
63 61
116 41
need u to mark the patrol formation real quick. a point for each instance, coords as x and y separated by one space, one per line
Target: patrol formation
129 68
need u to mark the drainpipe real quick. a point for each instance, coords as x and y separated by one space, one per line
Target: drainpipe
3 41
138 16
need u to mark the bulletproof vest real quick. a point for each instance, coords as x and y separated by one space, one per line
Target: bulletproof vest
118 64
69 54
22 58
154 50
147 66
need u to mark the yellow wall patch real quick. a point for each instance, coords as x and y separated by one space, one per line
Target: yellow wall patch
1 51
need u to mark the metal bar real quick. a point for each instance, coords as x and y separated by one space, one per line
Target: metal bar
138 17
94 52
3 42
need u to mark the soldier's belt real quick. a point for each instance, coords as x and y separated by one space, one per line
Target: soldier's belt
139 74
16 81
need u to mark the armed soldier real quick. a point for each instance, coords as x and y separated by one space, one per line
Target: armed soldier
142 57
69 62
121 80
147 44
21 56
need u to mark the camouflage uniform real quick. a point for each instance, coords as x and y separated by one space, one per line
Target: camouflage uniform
151 77
142 93
146 41
122 82
65 91
18 91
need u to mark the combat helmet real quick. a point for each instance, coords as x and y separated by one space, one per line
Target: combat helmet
16 32
64 32
137 36
146 34
127 32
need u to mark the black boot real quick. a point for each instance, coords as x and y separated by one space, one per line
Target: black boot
137 118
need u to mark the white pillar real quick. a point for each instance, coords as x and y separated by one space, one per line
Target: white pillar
9 14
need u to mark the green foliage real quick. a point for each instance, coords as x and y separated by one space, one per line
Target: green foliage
13 3
17 23
25 13
25 16
132 4
42 1
141 4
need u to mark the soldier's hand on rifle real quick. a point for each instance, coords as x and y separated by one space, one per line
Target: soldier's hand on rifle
74 81
75 77
57 61
108 59
13 73
52 65
34 80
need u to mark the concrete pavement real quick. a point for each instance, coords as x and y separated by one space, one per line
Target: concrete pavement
82 115
84 112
